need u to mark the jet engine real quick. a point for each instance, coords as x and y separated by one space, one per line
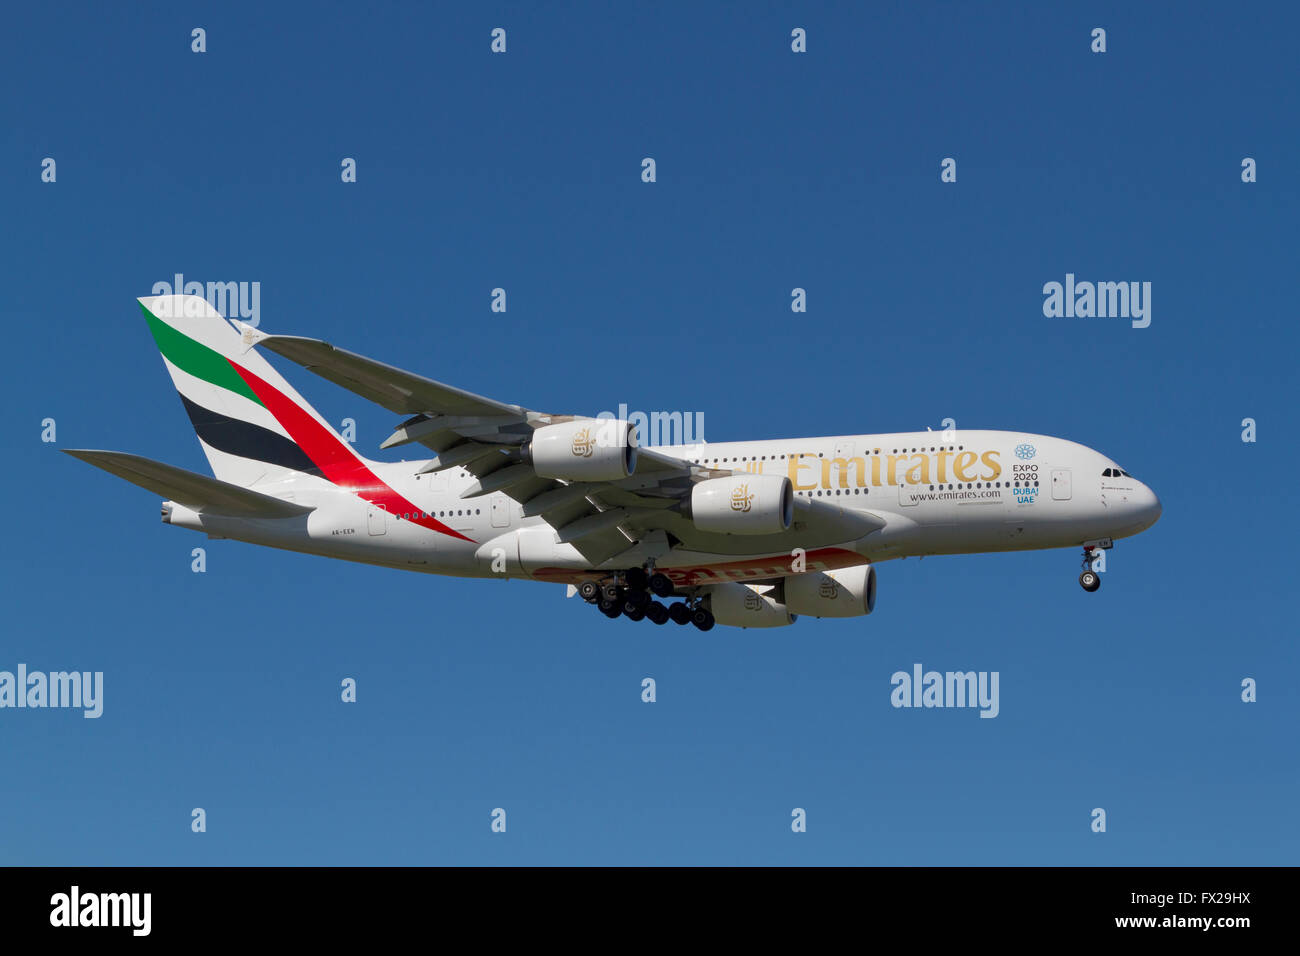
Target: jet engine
740 605
743 504
848 592
590 449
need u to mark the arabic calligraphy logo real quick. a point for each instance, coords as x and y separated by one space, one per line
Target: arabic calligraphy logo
583 444
741 499
753 602
1026 451
829 589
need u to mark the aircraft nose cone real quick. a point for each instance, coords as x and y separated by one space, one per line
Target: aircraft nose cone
1147 506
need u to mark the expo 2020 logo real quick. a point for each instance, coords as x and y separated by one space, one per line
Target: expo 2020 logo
1025 451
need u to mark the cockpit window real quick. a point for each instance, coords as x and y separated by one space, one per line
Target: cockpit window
1115 473
1108 473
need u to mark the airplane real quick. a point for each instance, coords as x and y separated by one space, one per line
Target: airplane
742 534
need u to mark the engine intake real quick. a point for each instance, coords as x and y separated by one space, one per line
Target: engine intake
743 504
590 449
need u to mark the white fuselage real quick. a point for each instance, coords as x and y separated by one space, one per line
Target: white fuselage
938 493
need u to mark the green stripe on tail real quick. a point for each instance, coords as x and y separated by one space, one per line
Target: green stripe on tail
196 359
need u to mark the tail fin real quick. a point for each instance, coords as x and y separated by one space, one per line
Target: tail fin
251 423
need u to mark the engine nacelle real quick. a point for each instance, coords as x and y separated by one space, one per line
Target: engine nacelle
739 605
743 504
591 449
848 592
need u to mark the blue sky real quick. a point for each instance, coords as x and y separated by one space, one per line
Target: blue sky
775 171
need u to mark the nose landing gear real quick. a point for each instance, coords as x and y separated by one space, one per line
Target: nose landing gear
1089 580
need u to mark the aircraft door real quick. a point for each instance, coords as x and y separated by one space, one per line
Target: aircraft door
501 511
377 519
1061 484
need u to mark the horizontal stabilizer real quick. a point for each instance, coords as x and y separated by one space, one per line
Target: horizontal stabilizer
197 492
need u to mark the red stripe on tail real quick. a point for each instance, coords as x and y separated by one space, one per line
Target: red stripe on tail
336 459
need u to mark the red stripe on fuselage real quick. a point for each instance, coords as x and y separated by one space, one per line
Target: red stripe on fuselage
336 460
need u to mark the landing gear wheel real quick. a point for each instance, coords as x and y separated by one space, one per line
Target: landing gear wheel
638 599
612 592
1089 580
610 608
680 612
660 585
657 613
636 578
633 613
589 591
702 619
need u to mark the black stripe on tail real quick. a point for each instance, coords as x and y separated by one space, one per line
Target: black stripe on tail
247 440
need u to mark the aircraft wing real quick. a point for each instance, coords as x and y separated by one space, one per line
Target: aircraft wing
394 389
485 436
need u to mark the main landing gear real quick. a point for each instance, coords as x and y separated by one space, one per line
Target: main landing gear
632 594
1089 580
